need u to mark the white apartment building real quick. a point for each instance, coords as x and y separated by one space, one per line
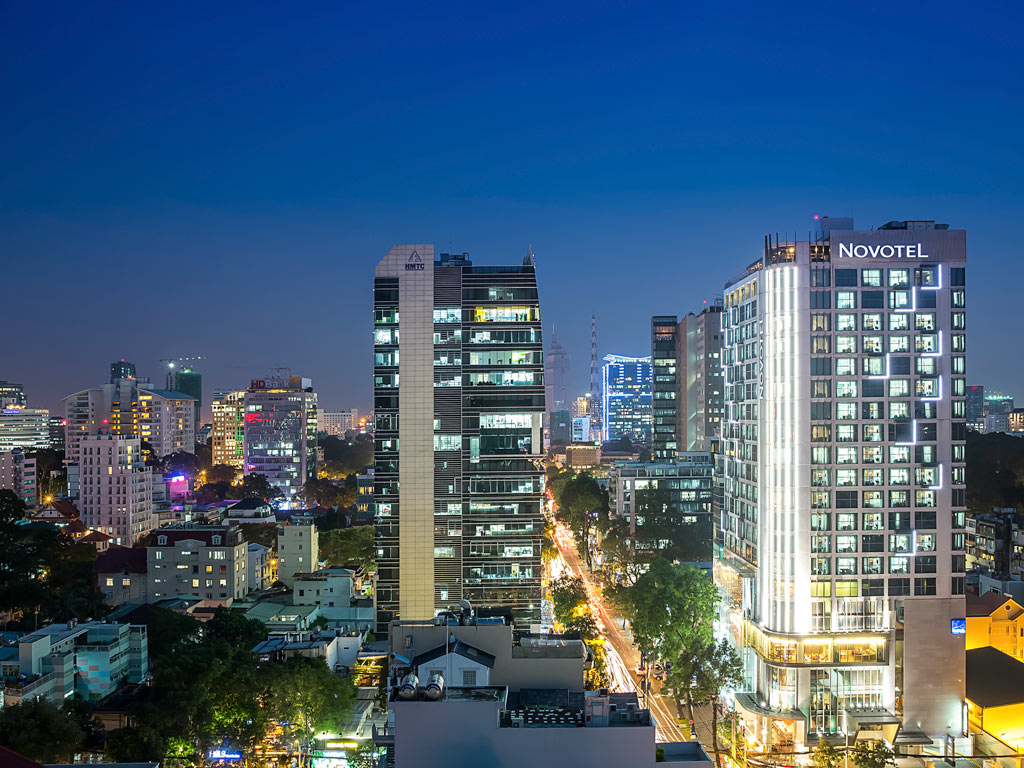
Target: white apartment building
261 566
298 550
25 428
843 519
167 421
116 492
18 474
337 423
280 434
208 561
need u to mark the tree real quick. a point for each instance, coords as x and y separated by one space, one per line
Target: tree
260 533
41 731
209 493
309 697
663 532
578 503
126 745
348 546
257 486
825 755
221 473
180 463
233 628
872 754
583 622
320 492
717 666
567 593
672 608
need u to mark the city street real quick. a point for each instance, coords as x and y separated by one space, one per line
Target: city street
623 657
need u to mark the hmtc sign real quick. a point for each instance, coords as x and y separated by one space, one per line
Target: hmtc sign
414 263
903 251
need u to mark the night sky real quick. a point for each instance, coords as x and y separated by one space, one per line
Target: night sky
208 180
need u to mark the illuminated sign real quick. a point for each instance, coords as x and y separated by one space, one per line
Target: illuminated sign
958 627
224 754
258 384
908 251
178 479
414 263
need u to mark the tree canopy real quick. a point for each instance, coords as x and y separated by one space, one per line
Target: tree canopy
348 546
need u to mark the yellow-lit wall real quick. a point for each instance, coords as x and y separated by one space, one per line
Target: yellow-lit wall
1005 723
1004 634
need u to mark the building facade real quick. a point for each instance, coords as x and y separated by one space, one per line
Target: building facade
458 482
208 561
24 428
843 519
665 400
337 423
298 550
557 374
188 381
18 474
166 421
280 434
116 492
626 398
702 402
12 394
228 435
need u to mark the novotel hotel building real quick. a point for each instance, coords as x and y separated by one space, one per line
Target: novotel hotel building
842 526
458 386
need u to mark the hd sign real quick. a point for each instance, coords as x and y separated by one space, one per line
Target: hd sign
887 251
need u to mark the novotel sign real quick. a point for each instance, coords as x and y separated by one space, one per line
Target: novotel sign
902 251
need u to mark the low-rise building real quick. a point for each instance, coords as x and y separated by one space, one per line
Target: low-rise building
582 456
465 692
208 561
91 659
337 591
339 649
250 512
261 565
298 550
995 699
121 575
997 621
281 616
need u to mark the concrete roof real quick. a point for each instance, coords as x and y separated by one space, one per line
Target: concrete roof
994 678
987 604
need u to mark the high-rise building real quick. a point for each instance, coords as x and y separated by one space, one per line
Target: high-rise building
976 408
131 408
18 474
458 482
228 435
556 376
997 402
122 369
189 381
116 491
337 423
280 434
701 403
581 407
12 394
626 398
25 428
665 399
581 429
844 513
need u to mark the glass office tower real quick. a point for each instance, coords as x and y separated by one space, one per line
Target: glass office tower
626 398
458 410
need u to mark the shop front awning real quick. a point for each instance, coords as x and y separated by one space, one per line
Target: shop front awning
872 724
747 702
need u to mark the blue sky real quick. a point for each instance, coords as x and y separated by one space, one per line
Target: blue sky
220 179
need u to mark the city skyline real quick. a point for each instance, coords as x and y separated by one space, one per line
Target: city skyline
218 171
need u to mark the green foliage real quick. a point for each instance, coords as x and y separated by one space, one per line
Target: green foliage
826 756
210 493
232 628
320 492
180 463
127 745
309 697
343 458
221 473
41 731
256 486
348 546
579 502
260 533
872 754
567 593
672 608
584 623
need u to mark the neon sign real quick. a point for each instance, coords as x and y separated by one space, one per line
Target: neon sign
908 251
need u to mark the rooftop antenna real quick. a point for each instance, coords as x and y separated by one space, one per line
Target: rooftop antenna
531 258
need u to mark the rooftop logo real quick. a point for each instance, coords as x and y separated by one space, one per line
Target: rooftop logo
851 251
414 263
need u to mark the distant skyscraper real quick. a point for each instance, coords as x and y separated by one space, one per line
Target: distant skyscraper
843 518
626 398
190 382
25 428
665 398
701 393
459 416
976 408
280 434
12 394
595 408
997 402
227 438
581 407
556 376
122 369
337 423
